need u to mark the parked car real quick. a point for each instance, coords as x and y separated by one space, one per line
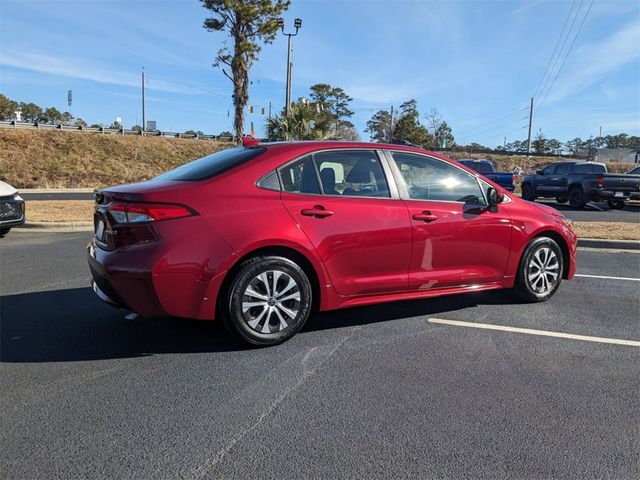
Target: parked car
580 182
488 169
11 208
634 171
263 234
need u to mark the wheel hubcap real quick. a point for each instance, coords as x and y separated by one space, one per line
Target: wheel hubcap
271 301
543 272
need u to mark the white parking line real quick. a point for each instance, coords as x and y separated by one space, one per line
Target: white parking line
608 278
529 331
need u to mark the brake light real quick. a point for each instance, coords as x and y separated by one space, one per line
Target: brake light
146 212
600 181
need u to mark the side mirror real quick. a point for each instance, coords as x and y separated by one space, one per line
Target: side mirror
493 197
539 172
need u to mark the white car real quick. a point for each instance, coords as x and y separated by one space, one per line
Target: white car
11 208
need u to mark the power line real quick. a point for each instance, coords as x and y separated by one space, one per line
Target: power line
564 42
584 19
555 48
462 132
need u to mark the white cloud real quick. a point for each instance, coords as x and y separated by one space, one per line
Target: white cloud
597 61
63 67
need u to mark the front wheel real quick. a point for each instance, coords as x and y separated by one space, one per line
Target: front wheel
269 300
540 270
615 204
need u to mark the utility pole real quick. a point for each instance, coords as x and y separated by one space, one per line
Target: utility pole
600 135
391 126
297 23
529 137
269 109
144 126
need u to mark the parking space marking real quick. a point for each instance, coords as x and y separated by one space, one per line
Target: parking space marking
608 278
530 331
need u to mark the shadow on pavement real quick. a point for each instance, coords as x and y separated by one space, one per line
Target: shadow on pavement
73 325
406 309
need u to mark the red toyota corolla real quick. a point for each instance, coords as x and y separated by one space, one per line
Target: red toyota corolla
260 235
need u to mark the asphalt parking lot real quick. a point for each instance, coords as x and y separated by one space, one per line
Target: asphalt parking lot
373 392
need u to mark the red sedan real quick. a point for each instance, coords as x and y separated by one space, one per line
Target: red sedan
263 234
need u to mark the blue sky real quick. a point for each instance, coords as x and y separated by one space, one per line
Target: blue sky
477 62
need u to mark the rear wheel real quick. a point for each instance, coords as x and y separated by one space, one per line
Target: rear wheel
4 231
540 270
576 198
269 301
615 204
528 193
562 199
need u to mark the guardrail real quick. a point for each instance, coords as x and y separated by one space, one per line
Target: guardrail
108 131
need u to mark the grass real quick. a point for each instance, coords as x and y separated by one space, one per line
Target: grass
82 211
54 159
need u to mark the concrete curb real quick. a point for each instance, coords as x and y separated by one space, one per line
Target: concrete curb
59 226
612 244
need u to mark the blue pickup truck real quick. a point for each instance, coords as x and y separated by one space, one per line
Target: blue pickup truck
488 169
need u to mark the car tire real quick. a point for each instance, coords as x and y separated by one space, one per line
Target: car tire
528 193
540 270
615 204
562 199
268 301
576 198
4 231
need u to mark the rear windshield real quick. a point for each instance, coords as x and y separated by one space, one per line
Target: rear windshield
480 167
212 165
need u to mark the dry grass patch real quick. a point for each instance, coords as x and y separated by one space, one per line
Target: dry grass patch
608 230
56 159
59 210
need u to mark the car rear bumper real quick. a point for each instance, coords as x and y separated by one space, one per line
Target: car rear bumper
614 195
129 288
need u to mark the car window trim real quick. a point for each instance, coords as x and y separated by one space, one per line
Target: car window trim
404 195
393 188
270 172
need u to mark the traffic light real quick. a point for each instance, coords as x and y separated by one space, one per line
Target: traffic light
262 111
250 108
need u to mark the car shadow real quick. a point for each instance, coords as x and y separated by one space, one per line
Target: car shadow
389 311
73 325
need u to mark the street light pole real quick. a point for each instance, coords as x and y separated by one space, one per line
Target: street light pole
297 23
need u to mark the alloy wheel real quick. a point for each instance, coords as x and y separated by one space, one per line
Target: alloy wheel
271 301
543 271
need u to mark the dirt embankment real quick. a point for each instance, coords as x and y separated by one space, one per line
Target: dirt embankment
53 159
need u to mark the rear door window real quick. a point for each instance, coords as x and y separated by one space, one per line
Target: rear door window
582 169
300 177
355 173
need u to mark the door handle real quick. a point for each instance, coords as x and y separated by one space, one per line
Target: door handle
425 216
317 211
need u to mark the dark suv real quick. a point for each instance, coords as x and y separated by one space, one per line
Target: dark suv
579 183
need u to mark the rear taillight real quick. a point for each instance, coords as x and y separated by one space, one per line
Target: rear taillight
600 181
146 212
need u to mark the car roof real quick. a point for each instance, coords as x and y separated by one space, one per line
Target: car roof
310 146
